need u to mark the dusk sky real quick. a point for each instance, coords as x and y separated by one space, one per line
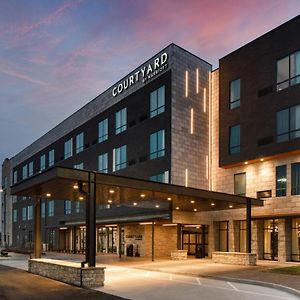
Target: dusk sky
55 56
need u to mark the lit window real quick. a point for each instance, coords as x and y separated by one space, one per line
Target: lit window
240 184
43 162
78 207
103 163
281 181
51 157
68 151
79 166
103 131
121 120
79 142
157 144
157 102
25 172
24 214
295 179
29 212
51 208
120 158
235 93
30 169
234 139
162 177
15 215
67 207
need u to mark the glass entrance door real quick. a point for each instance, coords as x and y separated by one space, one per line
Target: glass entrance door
271 239
107 238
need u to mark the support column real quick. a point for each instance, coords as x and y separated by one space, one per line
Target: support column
37 229
152 252
179 235
74 238
284 240
248 226
90 251
120 240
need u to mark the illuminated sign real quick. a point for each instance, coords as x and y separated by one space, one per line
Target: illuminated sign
145 73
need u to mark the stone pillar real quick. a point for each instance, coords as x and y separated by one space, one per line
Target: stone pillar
236 236
213 237
231 239
258 238
284 240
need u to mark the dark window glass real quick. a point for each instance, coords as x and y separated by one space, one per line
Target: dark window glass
295 179
103 131
235 93
240 184
234 139
157 144
121 120
281 181
157 102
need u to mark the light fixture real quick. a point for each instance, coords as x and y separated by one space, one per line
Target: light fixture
261 159
212 204
246 163
134 203
142 195
109 201
81 198
75 187
177 207
169 225
48 195
169 198
1 190
230 206
157 206
195 209
146 223
63 228
192 201
111 191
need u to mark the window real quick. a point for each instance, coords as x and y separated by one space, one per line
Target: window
67 207
79 166
235 93
280 181
68 151
79 142
51 157
235 139
15 177
43 209
51 208
295 179
25 172
157 102
264 194
120 158
223 236
103 131
240 184
288 124
103 163
78 207
288 71
43 162
15 215
163 177
24 214
29 212
121 120
157 144
30 169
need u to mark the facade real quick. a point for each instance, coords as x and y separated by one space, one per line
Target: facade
174 120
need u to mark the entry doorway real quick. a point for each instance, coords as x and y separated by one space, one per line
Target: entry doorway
195 240
108 240
271 239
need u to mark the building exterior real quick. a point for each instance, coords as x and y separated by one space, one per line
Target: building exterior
174 120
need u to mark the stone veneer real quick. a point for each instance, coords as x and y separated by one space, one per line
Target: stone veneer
68 272
235 258
179 254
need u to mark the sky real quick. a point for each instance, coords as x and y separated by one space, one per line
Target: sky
55 56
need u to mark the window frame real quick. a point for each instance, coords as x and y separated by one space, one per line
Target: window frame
278 189
121 117
103 125
157 110
238 101
68 152
79 142
235 146
157 152
105 156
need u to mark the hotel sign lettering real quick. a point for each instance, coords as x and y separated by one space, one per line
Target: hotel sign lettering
158 65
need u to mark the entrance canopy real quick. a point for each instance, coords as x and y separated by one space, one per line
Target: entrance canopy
122 197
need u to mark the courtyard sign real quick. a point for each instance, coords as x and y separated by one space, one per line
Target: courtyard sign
145 73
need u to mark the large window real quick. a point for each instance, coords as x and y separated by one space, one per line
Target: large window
67 207
24 213
15 177
281 181
51 158
240 184
29 212
68 150
288 124
120 158
288 71
50 208
162 177
25 172
79 142
223 236
295 179
43 162
15 215
103 163
121 120
30 169
296 239
235 93
103 131
157 102
157 144
235 139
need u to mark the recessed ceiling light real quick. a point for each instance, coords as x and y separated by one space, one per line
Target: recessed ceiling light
111 191
261 159
48 195
134 203
246 163
195 209
75 187
177 207
192 201
157 206
212 204
109 201
81 198
230 206
142 195
169 198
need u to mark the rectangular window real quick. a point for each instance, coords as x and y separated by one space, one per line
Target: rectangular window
43 162
120 158
240 184
288 71
15 177
235 139
43 209
78 207
24 214
30 169
67 207
68 150
235 93
295 179
51 157
103 163
50 208
79 166
25 172
121 120
157 102
288 124
157 144
15 215
281 181
79 142
163 177
103 131
29 212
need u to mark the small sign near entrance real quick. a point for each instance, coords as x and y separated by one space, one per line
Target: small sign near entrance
136 237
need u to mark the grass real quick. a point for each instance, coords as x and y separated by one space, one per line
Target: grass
295 270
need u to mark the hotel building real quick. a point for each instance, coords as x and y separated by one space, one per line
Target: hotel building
175 120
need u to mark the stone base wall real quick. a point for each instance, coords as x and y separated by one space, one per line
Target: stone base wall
235 258
179 254
67 272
